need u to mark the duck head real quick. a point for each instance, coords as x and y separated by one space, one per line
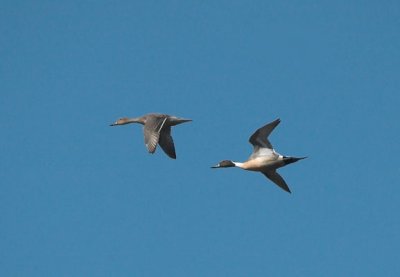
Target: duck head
120 121
224 163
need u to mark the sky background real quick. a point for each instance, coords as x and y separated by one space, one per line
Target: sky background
80 198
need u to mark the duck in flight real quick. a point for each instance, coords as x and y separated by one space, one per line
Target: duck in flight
264 159
157 130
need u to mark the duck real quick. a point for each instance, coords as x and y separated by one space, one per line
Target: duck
264 158
156 129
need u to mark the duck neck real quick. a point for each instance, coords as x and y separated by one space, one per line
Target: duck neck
135 120
238 164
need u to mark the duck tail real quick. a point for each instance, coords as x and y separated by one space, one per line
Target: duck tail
290 160
177 120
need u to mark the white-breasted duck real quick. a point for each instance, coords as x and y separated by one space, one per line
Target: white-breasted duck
264 158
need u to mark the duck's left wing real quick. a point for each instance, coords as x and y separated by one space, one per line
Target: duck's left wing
277 179
166 142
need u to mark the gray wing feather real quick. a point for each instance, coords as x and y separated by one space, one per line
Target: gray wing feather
260 137
277 179
152 129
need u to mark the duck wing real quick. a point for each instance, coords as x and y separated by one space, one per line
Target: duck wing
166 142
261 145
277 179
260 137
152 129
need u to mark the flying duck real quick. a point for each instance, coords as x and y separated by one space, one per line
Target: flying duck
264 158
157 130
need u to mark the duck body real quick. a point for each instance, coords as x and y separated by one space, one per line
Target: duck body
264 158
157 130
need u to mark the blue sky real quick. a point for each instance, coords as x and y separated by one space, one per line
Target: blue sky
79 198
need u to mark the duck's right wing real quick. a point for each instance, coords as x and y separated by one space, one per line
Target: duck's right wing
260 137
261 145
152 129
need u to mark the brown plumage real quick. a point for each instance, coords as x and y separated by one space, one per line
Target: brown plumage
157 130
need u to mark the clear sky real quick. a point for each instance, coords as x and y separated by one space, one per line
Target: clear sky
80 198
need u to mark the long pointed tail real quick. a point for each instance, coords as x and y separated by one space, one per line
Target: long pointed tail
176 120
289 160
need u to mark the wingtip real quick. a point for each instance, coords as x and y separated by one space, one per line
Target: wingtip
171 155
287 189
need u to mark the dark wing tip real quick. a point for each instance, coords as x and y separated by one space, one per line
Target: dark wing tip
169 151
283 186
276 122
171 155
277 179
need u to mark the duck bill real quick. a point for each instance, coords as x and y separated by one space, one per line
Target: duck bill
216 166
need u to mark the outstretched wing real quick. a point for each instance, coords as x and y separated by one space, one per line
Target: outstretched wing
277 179
166 142
260 137
152 129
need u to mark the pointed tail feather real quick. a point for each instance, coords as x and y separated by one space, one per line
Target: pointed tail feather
289 160
177 120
